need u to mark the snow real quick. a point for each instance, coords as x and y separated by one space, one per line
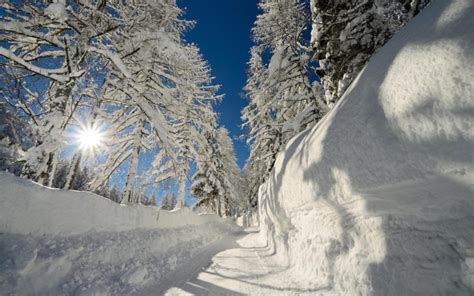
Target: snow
78 212
245 268
378 198
114 58
57 11
64 242
277 63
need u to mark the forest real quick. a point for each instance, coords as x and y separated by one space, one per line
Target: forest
90 88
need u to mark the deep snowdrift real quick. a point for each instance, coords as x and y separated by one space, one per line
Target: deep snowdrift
378 197
61 242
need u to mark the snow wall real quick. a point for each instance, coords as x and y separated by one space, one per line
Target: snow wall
56 242
378 198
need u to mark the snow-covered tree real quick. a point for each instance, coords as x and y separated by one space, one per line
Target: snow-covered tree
124 66
346 34
264 137
282 98
217 183
115 194
233 183
128 137
170 92
55 41
81 181
15 138
168 202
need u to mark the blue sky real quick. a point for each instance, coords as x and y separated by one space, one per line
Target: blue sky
223 33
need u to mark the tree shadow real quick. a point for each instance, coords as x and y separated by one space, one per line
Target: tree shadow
267 286
220 274
198 287
185 276
426 246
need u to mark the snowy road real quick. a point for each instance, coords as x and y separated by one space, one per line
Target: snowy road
244 269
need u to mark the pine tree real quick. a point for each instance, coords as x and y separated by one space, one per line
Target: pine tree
347 33
217 182
233 201
162 105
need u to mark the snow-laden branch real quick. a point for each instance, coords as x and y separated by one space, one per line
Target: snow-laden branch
18 28
114 58
38 70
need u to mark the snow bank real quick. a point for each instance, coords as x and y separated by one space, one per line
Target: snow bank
29 208
378 198
55 242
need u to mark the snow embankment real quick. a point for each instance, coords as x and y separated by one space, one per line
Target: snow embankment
28 208
61 242
378 198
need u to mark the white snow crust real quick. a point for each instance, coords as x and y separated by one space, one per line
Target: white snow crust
56 242
378 198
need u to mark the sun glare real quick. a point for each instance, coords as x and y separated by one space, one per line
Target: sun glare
90 138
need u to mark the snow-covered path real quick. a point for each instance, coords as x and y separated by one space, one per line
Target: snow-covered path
426 241
246 268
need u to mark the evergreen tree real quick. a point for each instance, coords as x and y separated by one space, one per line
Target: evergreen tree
217 182
347 33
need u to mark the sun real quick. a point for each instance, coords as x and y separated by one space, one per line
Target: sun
90 137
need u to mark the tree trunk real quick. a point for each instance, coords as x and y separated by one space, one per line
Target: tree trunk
219 212
53 166
132 172
53 127
227 206
181 192
73 170
43 174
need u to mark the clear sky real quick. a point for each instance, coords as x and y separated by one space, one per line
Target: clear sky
222 32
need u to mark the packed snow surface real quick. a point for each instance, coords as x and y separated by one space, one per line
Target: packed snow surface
378 198
245 268
55 242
